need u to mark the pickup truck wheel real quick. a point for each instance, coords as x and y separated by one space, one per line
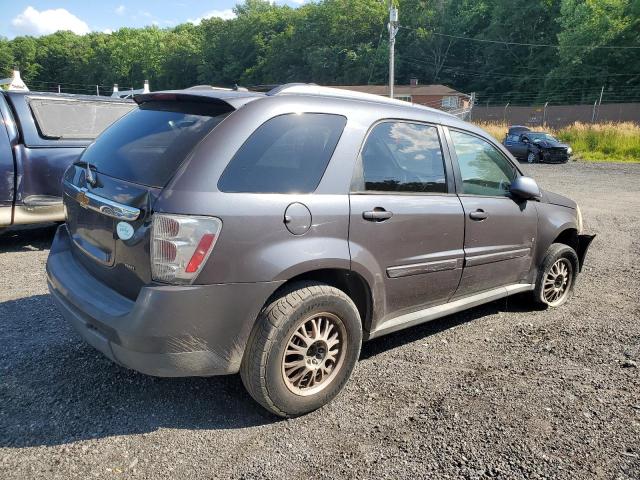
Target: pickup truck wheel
302 349
556 276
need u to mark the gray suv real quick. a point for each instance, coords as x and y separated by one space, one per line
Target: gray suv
212 232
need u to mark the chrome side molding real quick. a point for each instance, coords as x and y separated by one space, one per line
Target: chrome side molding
102 205
425 267
474 260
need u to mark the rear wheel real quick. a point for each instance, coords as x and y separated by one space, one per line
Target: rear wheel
556 276
302 349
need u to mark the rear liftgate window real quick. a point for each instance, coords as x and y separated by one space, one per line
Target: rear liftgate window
287 154
149 145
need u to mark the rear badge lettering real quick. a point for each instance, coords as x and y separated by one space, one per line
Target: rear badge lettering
125 230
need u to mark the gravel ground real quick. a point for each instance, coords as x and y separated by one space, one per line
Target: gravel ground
499 391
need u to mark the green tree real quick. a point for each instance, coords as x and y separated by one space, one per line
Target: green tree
7 59
471 45
602 23
24 52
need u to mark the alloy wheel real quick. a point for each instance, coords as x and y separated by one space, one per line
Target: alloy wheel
557 283
314 354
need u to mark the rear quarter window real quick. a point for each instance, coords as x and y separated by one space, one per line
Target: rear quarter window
58 118
286 154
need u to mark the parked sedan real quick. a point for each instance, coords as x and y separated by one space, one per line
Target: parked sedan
536 146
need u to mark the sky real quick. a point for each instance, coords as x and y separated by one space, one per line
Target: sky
82 16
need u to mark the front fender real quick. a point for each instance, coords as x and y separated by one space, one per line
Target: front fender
583 245
553 220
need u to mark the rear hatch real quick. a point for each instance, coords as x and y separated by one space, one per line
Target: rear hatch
111 190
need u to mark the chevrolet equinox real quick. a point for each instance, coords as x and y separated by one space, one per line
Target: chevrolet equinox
211 232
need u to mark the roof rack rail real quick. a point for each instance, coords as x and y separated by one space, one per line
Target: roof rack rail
318 90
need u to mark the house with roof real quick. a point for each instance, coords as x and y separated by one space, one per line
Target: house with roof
435 96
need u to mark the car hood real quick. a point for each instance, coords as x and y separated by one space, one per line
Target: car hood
557 199
551 144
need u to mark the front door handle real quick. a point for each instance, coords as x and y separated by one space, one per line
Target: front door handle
378 214
478 215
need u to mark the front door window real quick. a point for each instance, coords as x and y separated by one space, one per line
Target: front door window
484 170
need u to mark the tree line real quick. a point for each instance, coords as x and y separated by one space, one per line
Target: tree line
522 51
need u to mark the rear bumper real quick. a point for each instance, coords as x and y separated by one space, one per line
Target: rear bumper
168 331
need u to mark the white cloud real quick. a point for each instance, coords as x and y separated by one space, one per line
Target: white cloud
120 10
34 22
299 2
226 14
108 31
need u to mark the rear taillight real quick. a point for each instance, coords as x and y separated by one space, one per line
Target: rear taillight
180 246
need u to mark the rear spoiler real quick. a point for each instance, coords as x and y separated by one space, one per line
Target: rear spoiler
230 99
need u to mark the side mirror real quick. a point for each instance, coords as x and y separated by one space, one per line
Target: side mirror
524 140
525 188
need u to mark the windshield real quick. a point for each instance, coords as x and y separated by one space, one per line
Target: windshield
541 136
149 144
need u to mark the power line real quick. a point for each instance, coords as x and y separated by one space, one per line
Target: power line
475 73
502 42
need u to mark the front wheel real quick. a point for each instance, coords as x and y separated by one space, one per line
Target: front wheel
532 157
302 349
557 276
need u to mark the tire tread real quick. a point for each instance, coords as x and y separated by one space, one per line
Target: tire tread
555 251
272 317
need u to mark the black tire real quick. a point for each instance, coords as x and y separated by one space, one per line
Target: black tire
263 371
532 157
557 253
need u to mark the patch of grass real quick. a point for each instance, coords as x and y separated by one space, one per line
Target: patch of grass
600 142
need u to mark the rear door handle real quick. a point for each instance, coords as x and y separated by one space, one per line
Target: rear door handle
377 215
478 215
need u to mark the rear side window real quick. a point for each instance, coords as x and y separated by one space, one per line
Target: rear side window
287 154
401 157
148 145
75 119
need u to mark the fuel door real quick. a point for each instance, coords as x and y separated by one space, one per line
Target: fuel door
297 218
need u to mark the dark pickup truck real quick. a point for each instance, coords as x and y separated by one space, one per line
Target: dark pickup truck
41 134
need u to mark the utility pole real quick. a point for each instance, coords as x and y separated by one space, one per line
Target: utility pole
600 102
393 30
472 102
